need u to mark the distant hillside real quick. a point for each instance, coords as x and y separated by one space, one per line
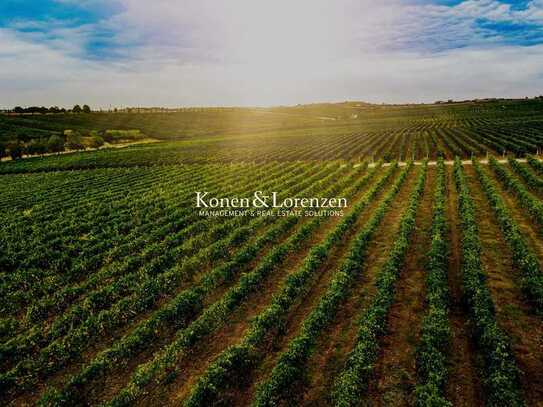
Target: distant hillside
230 121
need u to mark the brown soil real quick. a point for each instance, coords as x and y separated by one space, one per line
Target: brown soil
440 144
410 145
514 316
390 141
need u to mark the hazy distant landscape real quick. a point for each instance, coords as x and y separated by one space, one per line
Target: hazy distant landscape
350 131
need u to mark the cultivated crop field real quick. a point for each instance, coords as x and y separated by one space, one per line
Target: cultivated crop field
350 132
428 291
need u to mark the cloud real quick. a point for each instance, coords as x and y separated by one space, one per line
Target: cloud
471 23
242 52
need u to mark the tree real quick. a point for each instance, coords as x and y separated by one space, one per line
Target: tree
86 109
74 142
76 109
96 141
55 144
22 137
15 149
36 146
18 109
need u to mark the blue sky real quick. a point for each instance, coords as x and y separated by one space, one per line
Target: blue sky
259 52
74 12
50 21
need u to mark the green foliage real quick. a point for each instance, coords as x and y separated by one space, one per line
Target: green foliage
74 141
186 304
97 322
535 164
291 364
533 181
55 144
98 267
219 373
446 130
523 256
359 366
95 142
433 349
501 375
533 205
37 146
15 149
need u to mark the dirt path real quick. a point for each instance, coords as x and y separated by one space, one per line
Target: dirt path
395 369
86 150
463 386
514 316
446 162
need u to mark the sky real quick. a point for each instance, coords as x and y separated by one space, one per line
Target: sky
262 53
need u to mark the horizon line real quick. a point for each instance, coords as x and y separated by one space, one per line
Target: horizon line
181 107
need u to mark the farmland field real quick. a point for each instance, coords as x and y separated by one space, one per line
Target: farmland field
350 132
116 290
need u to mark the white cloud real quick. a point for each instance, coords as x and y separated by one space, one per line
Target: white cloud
245 52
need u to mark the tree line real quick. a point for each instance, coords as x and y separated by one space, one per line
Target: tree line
56 143
52 109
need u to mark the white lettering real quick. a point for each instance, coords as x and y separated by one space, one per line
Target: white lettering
200 201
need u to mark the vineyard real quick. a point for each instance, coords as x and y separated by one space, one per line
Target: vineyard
428 291
348 132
